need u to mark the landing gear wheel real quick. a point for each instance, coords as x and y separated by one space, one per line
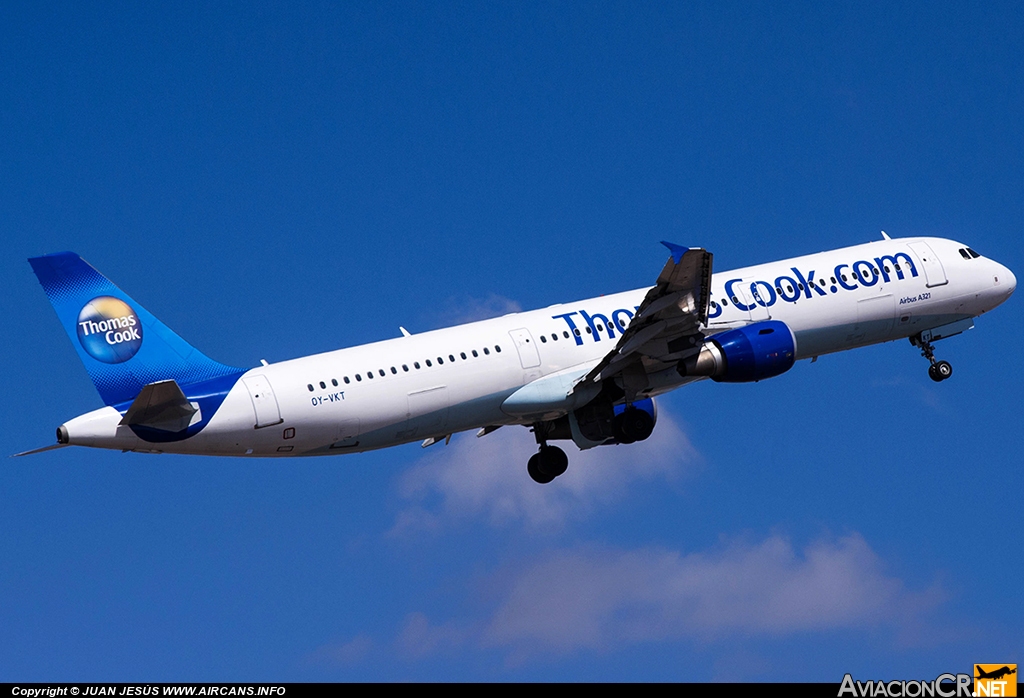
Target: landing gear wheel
553 461
533 468
939 370
633 425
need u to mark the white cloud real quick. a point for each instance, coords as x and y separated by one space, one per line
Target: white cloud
487 477
339 654
418 638
597 598
457 310
591 598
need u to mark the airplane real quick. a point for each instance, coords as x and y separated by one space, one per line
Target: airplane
586 371
995 674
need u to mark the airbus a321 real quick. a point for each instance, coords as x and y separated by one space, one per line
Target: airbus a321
586 371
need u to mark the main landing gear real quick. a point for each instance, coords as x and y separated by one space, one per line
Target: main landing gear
547 464
550 461
939 370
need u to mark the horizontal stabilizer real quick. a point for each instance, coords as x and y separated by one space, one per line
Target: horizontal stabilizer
39 450
160 405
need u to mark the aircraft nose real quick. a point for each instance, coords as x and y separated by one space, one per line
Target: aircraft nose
1006 277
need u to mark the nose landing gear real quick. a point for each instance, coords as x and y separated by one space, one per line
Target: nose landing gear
939 370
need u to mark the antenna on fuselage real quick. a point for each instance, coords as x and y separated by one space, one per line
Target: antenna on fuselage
885 236
405 332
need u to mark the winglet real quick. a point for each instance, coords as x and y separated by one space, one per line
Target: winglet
677 250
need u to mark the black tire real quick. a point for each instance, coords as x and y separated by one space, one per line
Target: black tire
933 373
533 468
552 461
944 370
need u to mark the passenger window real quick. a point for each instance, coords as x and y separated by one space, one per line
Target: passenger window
724 303
475 355
405 367
497 348
381 371
310 386
543 339
487 351
322 385
463 355
589 331
429 364
451 357
359 378
715 305
369 374
394 370
334 382
833 279
440 361
565 333
735 299
576 332
554 337
347 381
897 267
416 364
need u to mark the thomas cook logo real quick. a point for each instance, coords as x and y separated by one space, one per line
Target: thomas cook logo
995 679
109 330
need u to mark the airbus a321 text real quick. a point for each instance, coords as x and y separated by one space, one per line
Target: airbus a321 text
585 371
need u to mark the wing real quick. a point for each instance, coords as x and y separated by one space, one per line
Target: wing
667 325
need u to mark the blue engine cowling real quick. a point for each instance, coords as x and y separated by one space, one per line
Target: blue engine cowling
752 353
645 405
755 352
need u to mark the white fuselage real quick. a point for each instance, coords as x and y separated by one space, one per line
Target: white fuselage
437 383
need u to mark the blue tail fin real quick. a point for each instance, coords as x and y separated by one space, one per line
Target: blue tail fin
122 346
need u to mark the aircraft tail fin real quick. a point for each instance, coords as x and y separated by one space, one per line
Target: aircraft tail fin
123 346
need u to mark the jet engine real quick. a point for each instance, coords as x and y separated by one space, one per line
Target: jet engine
745 354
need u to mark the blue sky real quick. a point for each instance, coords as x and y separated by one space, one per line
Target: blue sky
273 181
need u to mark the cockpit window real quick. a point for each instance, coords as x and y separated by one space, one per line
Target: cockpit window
964 253
973 253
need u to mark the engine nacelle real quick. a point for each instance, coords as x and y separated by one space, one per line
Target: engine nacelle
647 405
751 353
600 423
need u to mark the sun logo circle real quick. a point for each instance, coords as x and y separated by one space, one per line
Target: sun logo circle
109 330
